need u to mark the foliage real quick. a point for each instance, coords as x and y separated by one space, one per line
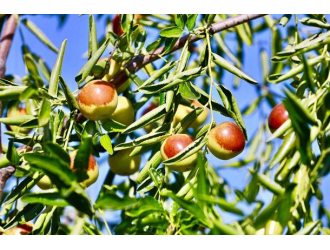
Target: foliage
157 200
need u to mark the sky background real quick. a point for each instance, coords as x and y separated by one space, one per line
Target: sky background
76 31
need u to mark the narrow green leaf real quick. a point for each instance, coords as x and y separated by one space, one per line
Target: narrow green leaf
221 62
172 31
54 78
39 34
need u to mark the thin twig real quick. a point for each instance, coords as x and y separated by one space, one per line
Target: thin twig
5 42
140 61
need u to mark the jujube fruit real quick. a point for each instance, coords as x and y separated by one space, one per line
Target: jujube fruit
97 100
17 111
92 172
183 110
116 27
226 141
277 117
22 229
152 106
172 146
124 112
123 164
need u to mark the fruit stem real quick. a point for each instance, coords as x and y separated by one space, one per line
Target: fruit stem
211 78
105 221
68 134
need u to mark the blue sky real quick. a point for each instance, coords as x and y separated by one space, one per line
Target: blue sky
76 31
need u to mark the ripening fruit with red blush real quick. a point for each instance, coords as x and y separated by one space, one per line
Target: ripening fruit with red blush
172 146
116 27
226 141
22 229
92 172
92 169
277 117
97 100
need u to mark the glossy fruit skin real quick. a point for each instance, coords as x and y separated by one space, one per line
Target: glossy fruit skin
277 117
23 229
16 111
97 100
124 112
183 110
152 106
226 141
123 164
92 172
116 27
172 146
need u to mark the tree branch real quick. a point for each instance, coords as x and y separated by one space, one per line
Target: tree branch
5 42
139 62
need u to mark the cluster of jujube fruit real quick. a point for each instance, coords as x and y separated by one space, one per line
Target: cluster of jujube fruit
99 100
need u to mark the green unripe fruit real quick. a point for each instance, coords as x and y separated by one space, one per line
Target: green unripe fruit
124 112
123 164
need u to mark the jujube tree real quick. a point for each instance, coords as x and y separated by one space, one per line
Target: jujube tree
155 125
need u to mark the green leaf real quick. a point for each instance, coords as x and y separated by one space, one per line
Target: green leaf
230 104
152 116
276 78
56 151
145 206
221 62
12 154
29 212
191 22
23 187
114 202
190 206
81 160
33 70
51 165
204 99
54 78
44 113
222 203
39 34
179 21
172 31
140 40
203 184
71 100
17 120
43 223
48 198
188 151
106 143
113 126
92 44
158 73
155 44
309 228
147 139
84 72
